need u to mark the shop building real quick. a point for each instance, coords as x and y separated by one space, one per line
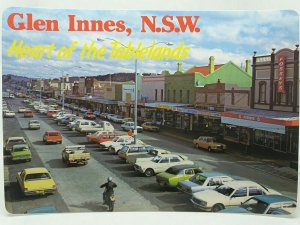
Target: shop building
272 122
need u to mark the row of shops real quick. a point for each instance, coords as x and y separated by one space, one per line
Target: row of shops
261 129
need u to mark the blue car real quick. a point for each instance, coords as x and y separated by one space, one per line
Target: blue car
265 204
203 181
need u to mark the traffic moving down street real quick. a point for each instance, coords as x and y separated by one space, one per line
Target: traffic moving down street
77 186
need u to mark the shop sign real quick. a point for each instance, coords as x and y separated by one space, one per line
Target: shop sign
167 107
281 67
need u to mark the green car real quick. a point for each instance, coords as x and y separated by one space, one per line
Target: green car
20 152
34 124
174 174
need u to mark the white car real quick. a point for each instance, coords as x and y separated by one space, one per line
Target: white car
203 181
117 119
117 141
161 163
232 193
9 114
130 126
11 141
118 146
22 109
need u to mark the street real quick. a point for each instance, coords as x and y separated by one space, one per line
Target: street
78 186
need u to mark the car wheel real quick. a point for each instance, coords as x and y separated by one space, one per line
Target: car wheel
209 149
217 207
149 172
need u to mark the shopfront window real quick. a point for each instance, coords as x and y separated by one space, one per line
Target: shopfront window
262 92
270 140
286 97
231 133
169 118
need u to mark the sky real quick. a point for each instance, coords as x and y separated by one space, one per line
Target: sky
226 35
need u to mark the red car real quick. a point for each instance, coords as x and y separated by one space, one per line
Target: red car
89 116
52 137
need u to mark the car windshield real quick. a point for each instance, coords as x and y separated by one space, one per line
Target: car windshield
16 141
173 170
224 190
198 179
115 139
210 139
20 149
37 176
156 159
255 206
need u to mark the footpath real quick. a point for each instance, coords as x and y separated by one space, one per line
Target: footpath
266 161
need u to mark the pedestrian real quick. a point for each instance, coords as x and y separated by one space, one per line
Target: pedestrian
130 133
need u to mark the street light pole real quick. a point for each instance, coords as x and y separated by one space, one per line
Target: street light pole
63 93
136 86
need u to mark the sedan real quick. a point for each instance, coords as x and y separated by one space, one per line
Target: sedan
34 124
209 143
36 181
150 126
265 204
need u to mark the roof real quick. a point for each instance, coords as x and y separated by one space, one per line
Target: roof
273 198
212 174
202 69
36 170
238 183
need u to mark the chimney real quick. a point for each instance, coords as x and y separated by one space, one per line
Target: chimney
248 66
211 64
179 65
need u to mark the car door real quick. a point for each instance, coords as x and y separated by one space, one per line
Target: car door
163 164
238 196
201 142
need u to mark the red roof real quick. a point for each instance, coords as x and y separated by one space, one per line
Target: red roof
202 69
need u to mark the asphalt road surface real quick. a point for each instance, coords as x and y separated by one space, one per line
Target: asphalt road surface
78 186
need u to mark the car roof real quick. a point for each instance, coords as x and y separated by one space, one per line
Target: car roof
36 170
274 198
21 145
33 121
16 138
51 132
182 167
213 174
238 183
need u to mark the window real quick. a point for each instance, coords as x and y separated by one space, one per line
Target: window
180 96
133 149
188 96
164 160
161 95
168 96
155 94
285 98
174 95
189 171
255 191
241 192
174 159
262 92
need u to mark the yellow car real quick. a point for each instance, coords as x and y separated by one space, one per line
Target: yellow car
150 126
209 143
36 181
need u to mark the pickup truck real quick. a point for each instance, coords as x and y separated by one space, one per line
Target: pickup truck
75 154
87 126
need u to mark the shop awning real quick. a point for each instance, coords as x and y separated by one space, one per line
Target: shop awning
165 105
272 121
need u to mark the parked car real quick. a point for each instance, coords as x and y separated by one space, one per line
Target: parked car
117 119
87 126
150 126
231 193
9 114
265 204
127 119
209 143
103 115
119 140
130 126
28 114
22 109
75 154
52 137
161 163
109 116
11 141
134 149
132 159
203 181
171 177
36 181
97 113
20 152
93 137
52 112
109 136
83 110
89 116
34 124
117 147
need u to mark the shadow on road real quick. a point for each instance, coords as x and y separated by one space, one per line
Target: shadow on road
56 163
38 143
153 188
123 168
92 206
115 161
132 174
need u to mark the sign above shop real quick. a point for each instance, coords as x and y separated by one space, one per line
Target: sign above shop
281 68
